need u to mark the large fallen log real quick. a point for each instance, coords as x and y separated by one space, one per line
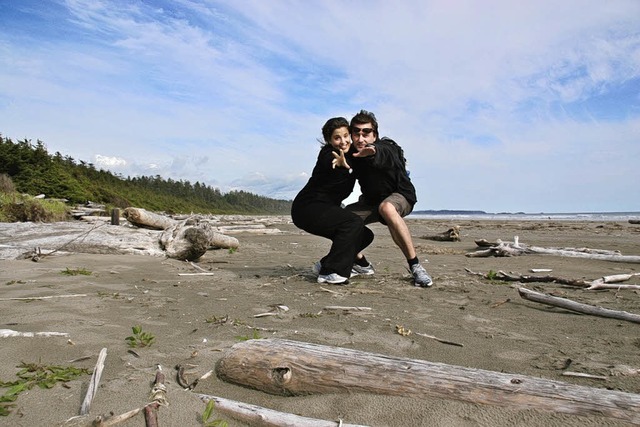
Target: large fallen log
143 218
286 367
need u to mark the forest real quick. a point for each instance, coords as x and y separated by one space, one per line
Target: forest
28 168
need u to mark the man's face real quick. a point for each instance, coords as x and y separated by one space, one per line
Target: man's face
362 134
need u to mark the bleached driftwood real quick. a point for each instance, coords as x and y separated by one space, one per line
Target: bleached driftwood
38 240
263 417
158 398
451 235
515 248
287 367
93 385
143 218
565 303
443 341
196 274
583 375
498 249
182 239
42 297
76 237
611 282
10 333
184 242
346 308
216 238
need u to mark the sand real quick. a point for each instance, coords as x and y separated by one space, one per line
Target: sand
195 318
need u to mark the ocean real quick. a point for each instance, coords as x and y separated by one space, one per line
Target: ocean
578 216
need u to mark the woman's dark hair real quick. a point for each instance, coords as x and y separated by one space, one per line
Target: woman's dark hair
364 117
331 125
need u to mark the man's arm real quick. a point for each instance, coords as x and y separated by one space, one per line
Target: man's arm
381 155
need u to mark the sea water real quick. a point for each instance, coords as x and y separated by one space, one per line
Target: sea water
577 216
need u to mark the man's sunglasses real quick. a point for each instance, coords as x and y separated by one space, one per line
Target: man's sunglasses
364 131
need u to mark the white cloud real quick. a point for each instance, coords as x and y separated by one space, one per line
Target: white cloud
500 105
107 162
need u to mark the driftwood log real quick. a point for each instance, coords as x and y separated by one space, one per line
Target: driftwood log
184 242
530 295
451 235
286 367
143 218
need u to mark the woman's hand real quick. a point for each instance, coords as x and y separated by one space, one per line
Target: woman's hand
339 160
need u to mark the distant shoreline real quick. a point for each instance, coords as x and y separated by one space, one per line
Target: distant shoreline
521 216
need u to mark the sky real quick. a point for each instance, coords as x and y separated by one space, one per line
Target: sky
500 105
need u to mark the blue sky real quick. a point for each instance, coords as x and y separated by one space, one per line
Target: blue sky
500 106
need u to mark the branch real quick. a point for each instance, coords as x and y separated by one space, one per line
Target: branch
259 416
95 380
576 306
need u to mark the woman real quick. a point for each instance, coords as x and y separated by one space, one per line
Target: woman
317 207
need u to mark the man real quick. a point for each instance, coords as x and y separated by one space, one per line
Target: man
387 192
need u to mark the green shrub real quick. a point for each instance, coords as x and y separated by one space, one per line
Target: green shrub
23 208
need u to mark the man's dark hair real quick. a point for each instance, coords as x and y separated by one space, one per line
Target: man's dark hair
364 117
331 125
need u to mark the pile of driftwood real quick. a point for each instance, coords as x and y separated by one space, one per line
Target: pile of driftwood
186 239
515 248
142 233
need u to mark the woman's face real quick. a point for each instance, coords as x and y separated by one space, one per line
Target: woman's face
341 139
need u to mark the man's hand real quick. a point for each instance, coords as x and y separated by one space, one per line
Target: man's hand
339 160
367 151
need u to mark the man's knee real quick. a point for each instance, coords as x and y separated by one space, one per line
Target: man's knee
387 210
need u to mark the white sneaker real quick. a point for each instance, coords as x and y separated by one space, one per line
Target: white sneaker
365 271
420 276
333 278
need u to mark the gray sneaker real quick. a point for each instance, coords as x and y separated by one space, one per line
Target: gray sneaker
333 278
365 271
420 276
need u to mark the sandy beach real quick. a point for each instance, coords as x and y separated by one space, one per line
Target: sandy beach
195 318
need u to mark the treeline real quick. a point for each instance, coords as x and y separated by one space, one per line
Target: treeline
34 171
